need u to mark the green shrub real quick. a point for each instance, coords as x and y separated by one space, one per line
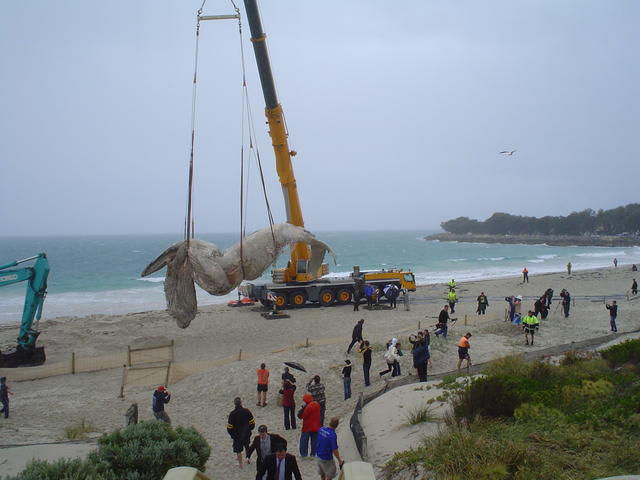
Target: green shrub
625 352
490 397
66 469
535 412
152 448
511 366
139 452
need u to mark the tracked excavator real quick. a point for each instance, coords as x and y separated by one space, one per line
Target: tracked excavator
296 284
26 353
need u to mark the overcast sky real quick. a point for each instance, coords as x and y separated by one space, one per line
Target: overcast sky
397 110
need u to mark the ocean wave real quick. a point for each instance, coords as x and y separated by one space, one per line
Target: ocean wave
490 259
537 260
151 279
620 253
456 259
547 257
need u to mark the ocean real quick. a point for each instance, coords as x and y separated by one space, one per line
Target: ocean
101 274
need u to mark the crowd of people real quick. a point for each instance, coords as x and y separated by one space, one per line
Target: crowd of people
318 440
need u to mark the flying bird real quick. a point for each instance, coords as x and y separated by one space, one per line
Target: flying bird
506 152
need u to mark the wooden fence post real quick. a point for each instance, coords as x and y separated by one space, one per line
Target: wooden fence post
307 344
73 363
129 355
419 325
166 381
465 319
240 355
124 375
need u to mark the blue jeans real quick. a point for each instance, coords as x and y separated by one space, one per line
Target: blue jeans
347 387
304 443
613 324
442 331
365 371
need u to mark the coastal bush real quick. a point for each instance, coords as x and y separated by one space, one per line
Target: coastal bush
491 397
511 365
151 448
66 469
536 422
625 352
139 452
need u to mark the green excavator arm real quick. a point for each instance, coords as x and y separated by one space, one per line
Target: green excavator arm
26 353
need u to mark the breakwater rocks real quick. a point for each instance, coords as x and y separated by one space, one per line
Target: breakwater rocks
555 240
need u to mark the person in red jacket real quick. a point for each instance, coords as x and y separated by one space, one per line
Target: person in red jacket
288 404
310 415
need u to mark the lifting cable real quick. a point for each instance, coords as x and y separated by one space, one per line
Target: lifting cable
253 149
189 230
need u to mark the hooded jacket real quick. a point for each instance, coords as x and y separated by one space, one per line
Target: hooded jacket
310 414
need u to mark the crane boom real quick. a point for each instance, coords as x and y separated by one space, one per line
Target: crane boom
297 270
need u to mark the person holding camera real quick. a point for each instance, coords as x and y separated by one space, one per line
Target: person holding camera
160 397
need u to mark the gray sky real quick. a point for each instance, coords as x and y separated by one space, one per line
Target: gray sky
398 111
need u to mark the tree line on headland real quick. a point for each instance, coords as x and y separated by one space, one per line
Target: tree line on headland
616 221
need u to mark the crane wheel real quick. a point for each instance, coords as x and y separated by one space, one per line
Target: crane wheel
327 297
344 296
297 299
280 300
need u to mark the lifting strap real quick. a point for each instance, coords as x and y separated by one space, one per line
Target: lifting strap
189 231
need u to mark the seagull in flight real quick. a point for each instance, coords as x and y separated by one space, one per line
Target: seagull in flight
507 152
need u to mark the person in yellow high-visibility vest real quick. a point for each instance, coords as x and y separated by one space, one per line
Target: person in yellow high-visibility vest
452 284
530 324
452 298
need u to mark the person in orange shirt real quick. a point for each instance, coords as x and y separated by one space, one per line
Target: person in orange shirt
525 275
263 385
463 351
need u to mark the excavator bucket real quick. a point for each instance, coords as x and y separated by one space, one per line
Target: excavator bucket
21 357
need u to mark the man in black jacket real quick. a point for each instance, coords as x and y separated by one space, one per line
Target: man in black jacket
274 463
239 427
264 444
356 335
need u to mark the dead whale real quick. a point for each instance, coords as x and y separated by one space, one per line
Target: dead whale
220 272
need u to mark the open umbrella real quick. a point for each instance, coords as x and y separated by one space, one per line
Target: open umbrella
295 365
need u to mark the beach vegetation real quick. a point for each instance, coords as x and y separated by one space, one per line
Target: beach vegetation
538 421
420 414
78 430
138 452
623 353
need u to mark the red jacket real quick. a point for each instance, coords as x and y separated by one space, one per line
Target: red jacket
310 415
287 396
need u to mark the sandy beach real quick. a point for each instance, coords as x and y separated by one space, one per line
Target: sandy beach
40 409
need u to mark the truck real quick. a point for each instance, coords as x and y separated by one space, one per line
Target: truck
295 284
26 352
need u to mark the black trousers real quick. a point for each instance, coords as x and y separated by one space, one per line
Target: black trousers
422 372
353 342
289 417
452 306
